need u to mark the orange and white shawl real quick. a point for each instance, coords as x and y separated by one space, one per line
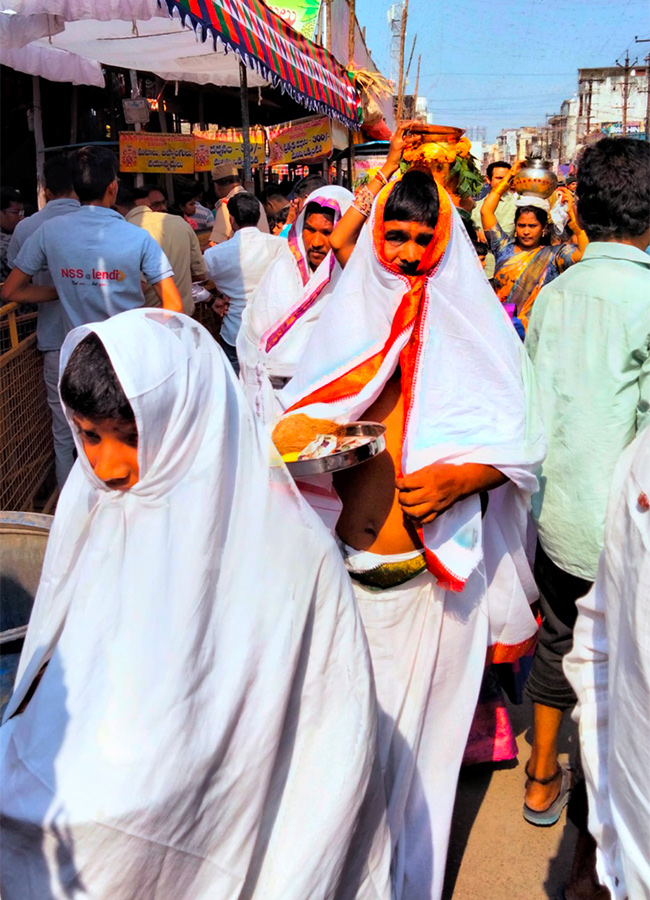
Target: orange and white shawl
469 395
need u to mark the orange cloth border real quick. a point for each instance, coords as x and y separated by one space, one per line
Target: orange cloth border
353 381
445 578
509 653
411 313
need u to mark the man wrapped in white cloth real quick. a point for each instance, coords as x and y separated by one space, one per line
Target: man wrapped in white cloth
414 337
609 669
204 727
277 324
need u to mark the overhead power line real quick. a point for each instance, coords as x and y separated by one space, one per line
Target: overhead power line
501 74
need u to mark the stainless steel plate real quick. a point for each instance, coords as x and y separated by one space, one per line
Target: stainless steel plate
344 459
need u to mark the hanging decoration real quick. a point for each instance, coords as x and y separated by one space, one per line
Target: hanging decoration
267 44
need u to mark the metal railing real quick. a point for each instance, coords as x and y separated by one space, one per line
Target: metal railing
26 449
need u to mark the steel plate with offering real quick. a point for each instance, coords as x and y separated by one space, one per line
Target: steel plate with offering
352 444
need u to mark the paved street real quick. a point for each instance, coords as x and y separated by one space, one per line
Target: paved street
494 854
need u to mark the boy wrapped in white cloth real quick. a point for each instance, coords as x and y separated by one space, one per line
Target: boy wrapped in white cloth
204 725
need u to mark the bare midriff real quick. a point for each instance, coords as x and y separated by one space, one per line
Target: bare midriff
372 518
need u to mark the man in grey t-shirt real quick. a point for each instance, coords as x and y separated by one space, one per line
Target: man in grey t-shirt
94 257
50 330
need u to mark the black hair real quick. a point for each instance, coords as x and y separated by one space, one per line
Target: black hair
414 199
148 188
315 209
93 169
469 228
9 196
540 214
480 247
186 197
614 188
89 385
57 174
271 192
498 164
245 209
125 196
303 188
136 193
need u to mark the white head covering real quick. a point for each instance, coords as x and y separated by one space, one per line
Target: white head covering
205 725
277 324
466 379
533 200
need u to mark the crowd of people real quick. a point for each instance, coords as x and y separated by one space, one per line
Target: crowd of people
238 685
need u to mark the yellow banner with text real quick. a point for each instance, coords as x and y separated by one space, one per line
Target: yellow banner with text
183 154
214 148
142 151
300 141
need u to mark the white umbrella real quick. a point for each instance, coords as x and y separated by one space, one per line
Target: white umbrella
78 36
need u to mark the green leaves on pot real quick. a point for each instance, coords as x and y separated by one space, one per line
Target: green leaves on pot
470 180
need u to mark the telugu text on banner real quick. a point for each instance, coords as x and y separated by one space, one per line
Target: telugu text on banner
300 141
213 148
142 151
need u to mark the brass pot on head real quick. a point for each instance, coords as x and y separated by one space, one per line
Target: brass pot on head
535 179
445 137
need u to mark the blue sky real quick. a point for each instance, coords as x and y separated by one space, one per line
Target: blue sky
506 64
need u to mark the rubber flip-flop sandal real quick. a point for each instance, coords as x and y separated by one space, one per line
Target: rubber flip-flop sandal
546 817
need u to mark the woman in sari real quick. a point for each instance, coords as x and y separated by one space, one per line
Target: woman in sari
526 262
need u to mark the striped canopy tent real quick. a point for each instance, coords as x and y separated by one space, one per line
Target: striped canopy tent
69 40
310 74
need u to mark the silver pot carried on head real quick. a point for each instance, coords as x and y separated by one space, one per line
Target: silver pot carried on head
535 179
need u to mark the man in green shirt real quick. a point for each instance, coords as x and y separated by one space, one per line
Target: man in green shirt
505 211
589 340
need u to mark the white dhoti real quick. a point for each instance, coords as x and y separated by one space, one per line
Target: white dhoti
469 397
428 649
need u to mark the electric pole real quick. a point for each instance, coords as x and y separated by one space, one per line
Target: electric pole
627 66
352 21
410 112
590 82
400 90
408 68
417 88
328 25
639 40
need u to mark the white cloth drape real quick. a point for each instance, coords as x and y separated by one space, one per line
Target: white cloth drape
54 64
205 726
428 651
473 400
288 288
609 669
